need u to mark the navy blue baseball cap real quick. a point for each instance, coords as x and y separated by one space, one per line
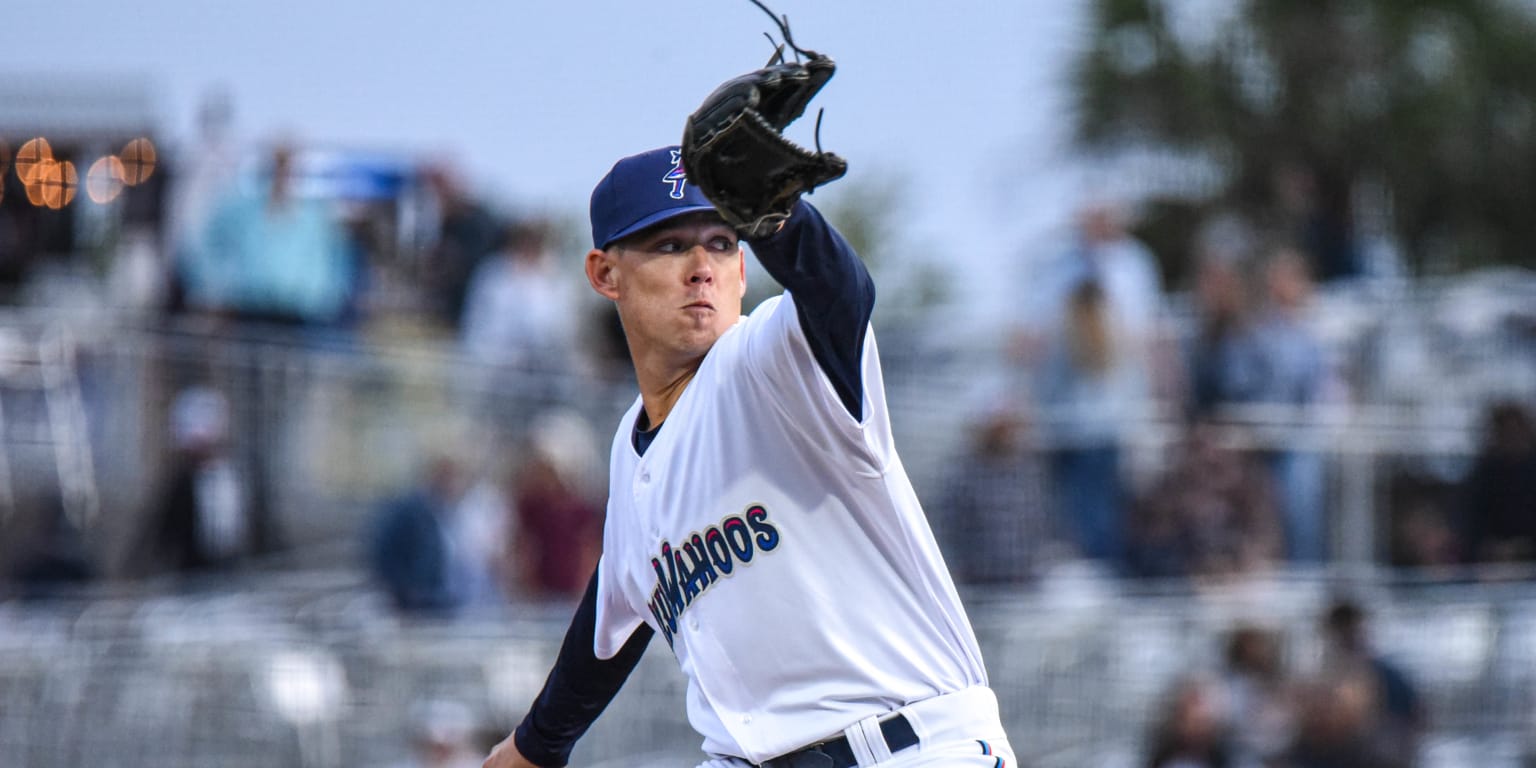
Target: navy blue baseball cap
641 191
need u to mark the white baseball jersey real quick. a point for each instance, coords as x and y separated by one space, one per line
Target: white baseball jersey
776 543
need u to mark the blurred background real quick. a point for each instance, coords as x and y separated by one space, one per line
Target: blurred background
1209 330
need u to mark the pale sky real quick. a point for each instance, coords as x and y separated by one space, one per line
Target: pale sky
535 100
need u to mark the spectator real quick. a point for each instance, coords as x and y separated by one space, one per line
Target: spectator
1421 505
1311 208
1336 727
1211 515
467 232
480 529
202 177
1297 373
1390 714
1227 361
272 260
199 520
519 313
1093 391
1501 489
1192 732
414 554
559 525
1258 697
997 526
519 326
272 257
1294 377
1096 305
362 246
1102 250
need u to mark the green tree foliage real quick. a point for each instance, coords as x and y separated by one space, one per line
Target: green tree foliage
1329 116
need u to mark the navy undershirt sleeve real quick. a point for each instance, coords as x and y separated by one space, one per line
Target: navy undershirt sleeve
578 688
834 295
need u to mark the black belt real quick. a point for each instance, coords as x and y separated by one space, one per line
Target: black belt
836 753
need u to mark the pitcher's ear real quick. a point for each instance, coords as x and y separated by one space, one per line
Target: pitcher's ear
602 273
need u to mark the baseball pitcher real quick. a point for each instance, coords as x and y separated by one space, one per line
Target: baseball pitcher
760 522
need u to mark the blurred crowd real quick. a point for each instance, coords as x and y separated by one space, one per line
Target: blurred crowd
1102 350
254 254
275 247
1351 708
532 532
1102 357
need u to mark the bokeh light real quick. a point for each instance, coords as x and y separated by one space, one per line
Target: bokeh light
138 158
59 183
32 155
5 162
104 181
33 179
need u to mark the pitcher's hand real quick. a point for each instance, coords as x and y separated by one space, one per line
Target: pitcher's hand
505 755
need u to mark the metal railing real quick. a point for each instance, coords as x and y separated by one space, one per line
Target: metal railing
279 672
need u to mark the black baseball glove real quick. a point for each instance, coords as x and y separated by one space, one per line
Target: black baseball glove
733 148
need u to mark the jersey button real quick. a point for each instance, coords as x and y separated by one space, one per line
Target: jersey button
645 477
746 719
694 623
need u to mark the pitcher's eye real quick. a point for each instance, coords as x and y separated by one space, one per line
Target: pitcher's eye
722 244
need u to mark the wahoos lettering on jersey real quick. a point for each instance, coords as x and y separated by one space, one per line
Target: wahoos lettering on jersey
687 571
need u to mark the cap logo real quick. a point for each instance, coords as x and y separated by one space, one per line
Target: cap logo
676 177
